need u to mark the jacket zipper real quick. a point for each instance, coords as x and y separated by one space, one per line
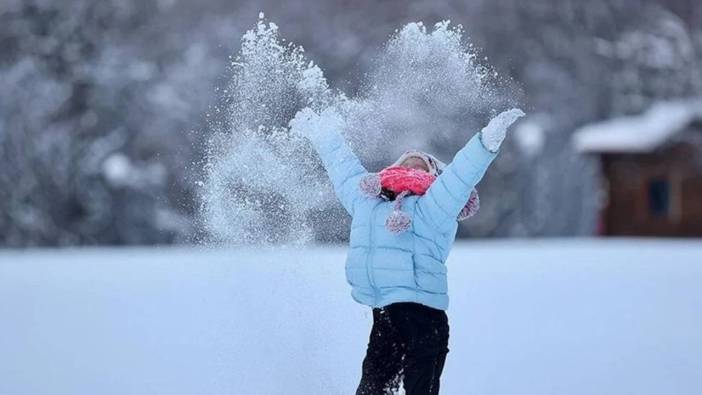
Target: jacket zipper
371 243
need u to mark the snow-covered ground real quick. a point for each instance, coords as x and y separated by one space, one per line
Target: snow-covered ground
527 318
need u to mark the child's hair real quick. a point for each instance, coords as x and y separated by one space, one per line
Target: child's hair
387 194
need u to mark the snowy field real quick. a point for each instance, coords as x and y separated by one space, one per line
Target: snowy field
527 318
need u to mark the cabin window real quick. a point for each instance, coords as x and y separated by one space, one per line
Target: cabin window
659 197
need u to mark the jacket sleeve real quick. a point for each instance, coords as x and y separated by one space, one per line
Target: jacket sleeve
448 194
342 165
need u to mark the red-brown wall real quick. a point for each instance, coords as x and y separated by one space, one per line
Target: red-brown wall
627 179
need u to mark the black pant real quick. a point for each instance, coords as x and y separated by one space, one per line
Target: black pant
408 344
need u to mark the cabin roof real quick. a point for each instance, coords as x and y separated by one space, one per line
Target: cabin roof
638 133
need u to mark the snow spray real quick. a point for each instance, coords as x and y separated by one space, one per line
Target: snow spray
264 186
423 88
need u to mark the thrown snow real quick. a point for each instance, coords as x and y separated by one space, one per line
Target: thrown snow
639 133
263 186
261 183
527 318
425 86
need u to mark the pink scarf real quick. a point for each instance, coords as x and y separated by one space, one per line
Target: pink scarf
399 179
402 181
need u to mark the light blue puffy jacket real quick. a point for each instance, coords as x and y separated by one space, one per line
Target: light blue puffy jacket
383 267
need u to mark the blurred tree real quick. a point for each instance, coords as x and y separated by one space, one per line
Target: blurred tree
96 100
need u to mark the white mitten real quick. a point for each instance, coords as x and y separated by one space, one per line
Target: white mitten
315 127
494 133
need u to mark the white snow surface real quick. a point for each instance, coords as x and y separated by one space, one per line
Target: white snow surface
527 317
639 133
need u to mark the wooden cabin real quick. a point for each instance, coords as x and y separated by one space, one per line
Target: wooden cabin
652 170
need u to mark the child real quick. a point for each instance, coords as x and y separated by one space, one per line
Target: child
404 222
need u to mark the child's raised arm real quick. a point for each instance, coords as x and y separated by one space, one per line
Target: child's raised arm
448 194
344 169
